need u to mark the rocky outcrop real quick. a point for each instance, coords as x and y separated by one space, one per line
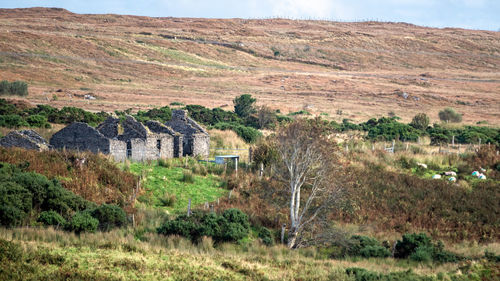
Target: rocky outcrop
27 139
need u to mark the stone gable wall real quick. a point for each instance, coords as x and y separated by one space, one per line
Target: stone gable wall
27 139
82 137
196 141
109 128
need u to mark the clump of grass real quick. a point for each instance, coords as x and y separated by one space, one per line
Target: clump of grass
164 163
168 200
215 169
187 176
199 169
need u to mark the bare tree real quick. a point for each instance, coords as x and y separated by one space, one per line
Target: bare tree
308 165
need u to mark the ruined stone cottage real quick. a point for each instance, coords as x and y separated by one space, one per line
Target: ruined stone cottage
27 139
196 141
128 139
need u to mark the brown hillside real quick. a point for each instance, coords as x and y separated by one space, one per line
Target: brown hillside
360 68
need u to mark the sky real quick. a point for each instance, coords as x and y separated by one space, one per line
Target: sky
471 14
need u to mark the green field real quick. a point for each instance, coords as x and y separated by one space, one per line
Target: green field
166 182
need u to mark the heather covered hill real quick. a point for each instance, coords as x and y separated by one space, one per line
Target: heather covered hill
360 68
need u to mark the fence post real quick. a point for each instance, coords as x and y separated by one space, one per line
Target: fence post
453 140
189 208
250 155
283 233
261 170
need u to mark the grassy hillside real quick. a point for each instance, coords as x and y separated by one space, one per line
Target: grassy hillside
54 255
361 69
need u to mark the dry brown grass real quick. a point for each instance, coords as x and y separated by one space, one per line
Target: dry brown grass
44 132
112 57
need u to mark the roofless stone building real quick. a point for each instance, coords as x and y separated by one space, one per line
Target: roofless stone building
196 141
130 139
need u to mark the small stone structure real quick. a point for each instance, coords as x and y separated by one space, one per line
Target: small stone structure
196 140
28 139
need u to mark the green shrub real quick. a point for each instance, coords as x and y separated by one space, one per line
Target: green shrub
374 251
109 216
409 244
12 121
38 121
365 246
266 236
83 222
15 204
419 247
18 88
10 252
422 254
51 218
232 225
420 121
450 115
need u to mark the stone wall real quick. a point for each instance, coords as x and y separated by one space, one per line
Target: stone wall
80 136
132 130
196 141
118 149
201 145
27 139
169 138
109 128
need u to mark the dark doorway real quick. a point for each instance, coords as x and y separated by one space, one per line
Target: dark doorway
129 149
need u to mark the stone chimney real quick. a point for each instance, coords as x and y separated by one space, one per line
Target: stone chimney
179 115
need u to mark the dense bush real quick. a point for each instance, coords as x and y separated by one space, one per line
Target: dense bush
244 105
18 88
15 203
27 192
12 121
232 225
450 115
390 129
248 134
419 247
365 246
51 218
420 121
83 222
266 236
38 121
213 116
109 216
13 117
162 114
